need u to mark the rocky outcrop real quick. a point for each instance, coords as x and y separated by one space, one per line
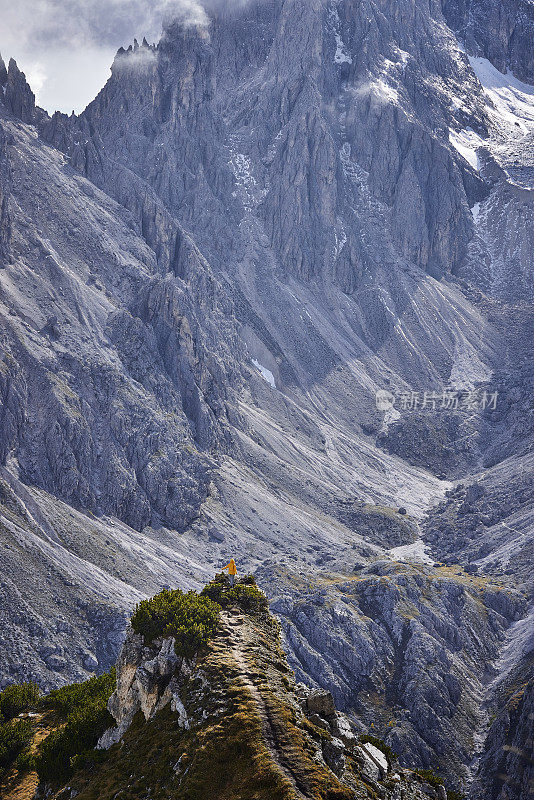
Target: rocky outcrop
13 401
501 31
148 678
5 218
240 687
18 96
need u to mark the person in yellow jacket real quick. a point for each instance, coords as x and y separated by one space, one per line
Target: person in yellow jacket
232 571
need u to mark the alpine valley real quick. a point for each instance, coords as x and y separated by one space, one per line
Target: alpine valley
280 212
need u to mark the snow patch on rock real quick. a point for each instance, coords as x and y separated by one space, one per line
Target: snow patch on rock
266 373
512 100
416 553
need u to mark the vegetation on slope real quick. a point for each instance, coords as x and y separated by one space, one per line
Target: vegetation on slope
15 734
15 738
17 698
83 707
191 619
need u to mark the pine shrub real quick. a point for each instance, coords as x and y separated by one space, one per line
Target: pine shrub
15 737
190 618
244 594
84 705
17 698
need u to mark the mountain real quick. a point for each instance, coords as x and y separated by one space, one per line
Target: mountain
207 277
226 720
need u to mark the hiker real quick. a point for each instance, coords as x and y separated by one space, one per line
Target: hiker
232 571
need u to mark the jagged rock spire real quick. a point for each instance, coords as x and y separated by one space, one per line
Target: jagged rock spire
18 96
3 72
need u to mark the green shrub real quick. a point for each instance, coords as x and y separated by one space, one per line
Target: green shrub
381 745
453 795
15 736
25 761
85 707
78 695
244 593
61 748
17 698
429 777
190 618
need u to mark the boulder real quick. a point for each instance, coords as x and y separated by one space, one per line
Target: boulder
321 702
334 755
341 728
319 722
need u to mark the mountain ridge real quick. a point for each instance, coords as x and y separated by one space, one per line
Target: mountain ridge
304 202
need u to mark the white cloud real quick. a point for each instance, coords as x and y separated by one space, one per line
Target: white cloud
66 47
188 12
36 76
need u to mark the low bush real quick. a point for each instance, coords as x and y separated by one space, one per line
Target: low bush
85 707
429 777
192 619
78 695
244 593
25 761
381 745
15 736
17 698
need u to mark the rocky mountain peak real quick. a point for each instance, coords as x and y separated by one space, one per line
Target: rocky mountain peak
227 720
3 73
270 294
18 96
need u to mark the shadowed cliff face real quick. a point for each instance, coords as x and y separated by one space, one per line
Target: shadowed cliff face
299 108
206 278
501 31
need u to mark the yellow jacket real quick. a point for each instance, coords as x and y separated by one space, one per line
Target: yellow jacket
231 567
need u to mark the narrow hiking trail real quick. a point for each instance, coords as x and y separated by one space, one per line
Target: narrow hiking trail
240 633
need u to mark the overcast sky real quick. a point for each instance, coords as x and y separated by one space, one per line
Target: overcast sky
66 47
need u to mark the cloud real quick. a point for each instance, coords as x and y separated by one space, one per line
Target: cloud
66 47
36 76
187 12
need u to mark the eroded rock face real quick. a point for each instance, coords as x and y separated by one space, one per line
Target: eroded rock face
5 220
309 135
147 680
503 31
278 189
506 769
361 656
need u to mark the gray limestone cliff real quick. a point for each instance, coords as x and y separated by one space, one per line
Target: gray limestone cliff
207 276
